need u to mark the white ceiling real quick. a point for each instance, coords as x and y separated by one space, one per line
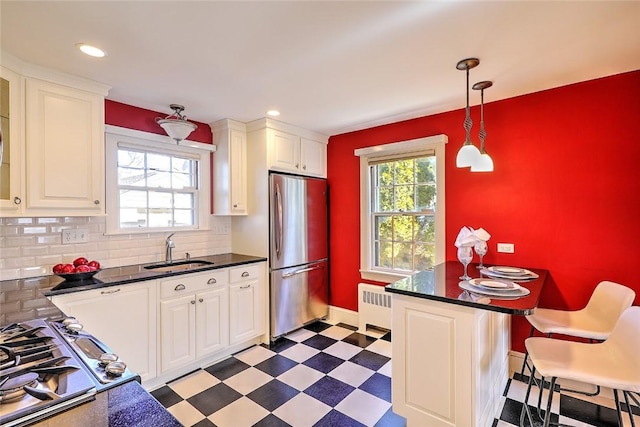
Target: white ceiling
328 66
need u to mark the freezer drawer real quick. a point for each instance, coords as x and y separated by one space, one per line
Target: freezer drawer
299 295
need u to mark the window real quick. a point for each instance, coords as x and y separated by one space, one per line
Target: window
152 186
402 207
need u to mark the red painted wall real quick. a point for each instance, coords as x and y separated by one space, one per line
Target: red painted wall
565 191
128 116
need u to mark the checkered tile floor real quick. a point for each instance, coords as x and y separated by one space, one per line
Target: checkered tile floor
324 375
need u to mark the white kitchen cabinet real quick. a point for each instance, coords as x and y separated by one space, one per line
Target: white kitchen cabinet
64 150
313 157
193 317
246 302
123 317
229 168
11 115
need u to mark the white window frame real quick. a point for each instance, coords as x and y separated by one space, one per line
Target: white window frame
414 147
116 137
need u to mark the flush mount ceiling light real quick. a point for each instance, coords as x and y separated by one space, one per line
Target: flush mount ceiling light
273 113
91 50
468 153
176 125
484 163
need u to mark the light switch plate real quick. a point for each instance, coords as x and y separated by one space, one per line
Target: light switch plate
507 248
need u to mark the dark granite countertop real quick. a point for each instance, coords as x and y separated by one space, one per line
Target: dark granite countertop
441 284
26 299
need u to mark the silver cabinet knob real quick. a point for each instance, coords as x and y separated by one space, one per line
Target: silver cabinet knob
211 281
180 287
17 200
193 301
96 202
201 300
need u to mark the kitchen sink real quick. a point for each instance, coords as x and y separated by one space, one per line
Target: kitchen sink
178 266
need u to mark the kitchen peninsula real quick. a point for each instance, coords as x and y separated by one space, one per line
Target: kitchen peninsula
450 347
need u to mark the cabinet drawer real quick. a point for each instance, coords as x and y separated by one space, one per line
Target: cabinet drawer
245 272
191 283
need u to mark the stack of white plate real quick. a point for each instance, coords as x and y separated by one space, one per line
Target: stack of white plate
495 288
510 273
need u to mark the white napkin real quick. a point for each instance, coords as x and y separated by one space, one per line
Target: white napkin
481 234
465 237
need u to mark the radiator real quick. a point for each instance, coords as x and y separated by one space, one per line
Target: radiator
374 307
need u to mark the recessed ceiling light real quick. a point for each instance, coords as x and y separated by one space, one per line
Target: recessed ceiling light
91 50
273 113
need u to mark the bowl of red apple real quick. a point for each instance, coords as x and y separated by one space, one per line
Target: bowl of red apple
80 269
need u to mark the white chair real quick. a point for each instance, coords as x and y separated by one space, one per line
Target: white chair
614 363
594 322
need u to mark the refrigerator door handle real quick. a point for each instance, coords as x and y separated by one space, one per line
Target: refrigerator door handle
302 270
278 221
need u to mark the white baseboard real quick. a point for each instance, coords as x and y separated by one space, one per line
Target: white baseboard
342 315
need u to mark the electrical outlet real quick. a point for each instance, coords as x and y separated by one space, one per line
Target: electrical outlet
507 248
80 235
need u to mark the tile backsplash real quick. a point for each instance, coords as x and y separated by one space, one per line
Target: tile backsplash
30 247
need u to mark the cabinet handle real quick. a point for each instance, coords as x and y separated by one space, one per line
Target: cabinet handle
201 300
304 167
211 281
245 287
96 202
110 292
180 287
193 301
245 274
297 166
235 206
17 200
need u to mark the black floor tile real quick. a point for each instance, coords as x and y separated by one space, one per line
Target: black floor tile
272 395
166 396
378 385
369 359
213 399
276 365
386 337
391 419
318 327
319 342
204 423
588 412
323 362
511 413
329 390
346 326
360 340
280 345
227 368
337 419
271 421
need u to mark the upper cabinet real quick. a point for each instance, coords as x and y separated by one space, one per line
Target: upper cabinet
290 149
229 168
53 144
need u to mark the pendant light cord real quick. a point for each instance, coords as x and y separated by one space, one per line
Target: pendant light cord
468 123
482 134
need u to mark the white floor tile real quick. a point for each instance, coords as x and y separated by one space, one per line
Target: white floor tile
300 377
302 411
351 374
242 412
336 332
193 384
185 413
571 422
518 389
343 350
300 335
363 407
255 355
248 380
381 347
299 352
386 369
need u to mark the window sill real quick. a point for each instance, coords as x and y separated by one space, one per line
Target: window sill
154 231
381 276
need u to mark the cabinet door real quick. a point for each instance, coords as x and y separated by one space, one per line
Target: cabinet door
64 150
212 321
123 317
245 315
313 158
283 151
177 336
10 145
238 171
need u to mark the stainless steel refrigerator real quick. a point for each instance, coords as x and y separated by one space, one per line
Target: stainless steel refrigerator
298 246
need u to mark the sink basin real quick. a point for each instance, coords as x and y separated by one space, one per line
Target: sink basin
178 266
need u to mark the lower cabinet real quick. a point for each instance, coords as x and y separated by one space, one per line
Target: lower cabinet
123 317
246 301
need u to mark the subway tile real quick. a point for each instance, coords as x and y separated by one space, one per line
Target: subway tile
34 271
49 220
49 311
48 260
22 316
49 239
20 241
20 294
9 273
10 307
20 262
11 252
35 303
9 230
34 230
76 220
18 221
34 250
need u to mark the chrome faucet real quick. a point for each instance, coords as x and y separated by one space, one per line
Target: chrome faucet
168 246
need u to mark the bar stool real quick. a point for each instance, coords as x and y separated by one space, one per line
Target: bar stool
614 363
594 322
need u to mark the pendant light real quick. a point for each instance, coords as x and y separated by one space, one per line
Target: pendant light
484 163
177 128
468 153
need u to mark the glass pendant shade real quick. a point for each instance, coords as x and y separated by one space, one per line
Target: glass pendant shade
467 156
176 125
483 163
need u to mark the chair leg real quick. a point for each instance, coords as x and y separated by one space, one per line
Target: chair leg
618 411
626 395
525 405
547 415
526 355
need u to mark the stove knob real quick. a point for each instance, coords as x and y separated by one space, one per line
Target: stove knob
107 358
69 320
74 328
115 369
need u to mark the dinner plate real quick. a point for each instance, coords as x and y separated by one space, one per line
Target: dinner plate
527 275
497 285
508 270
517 293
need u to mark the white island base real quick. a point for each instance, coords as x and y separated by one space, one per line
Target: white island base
450 362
